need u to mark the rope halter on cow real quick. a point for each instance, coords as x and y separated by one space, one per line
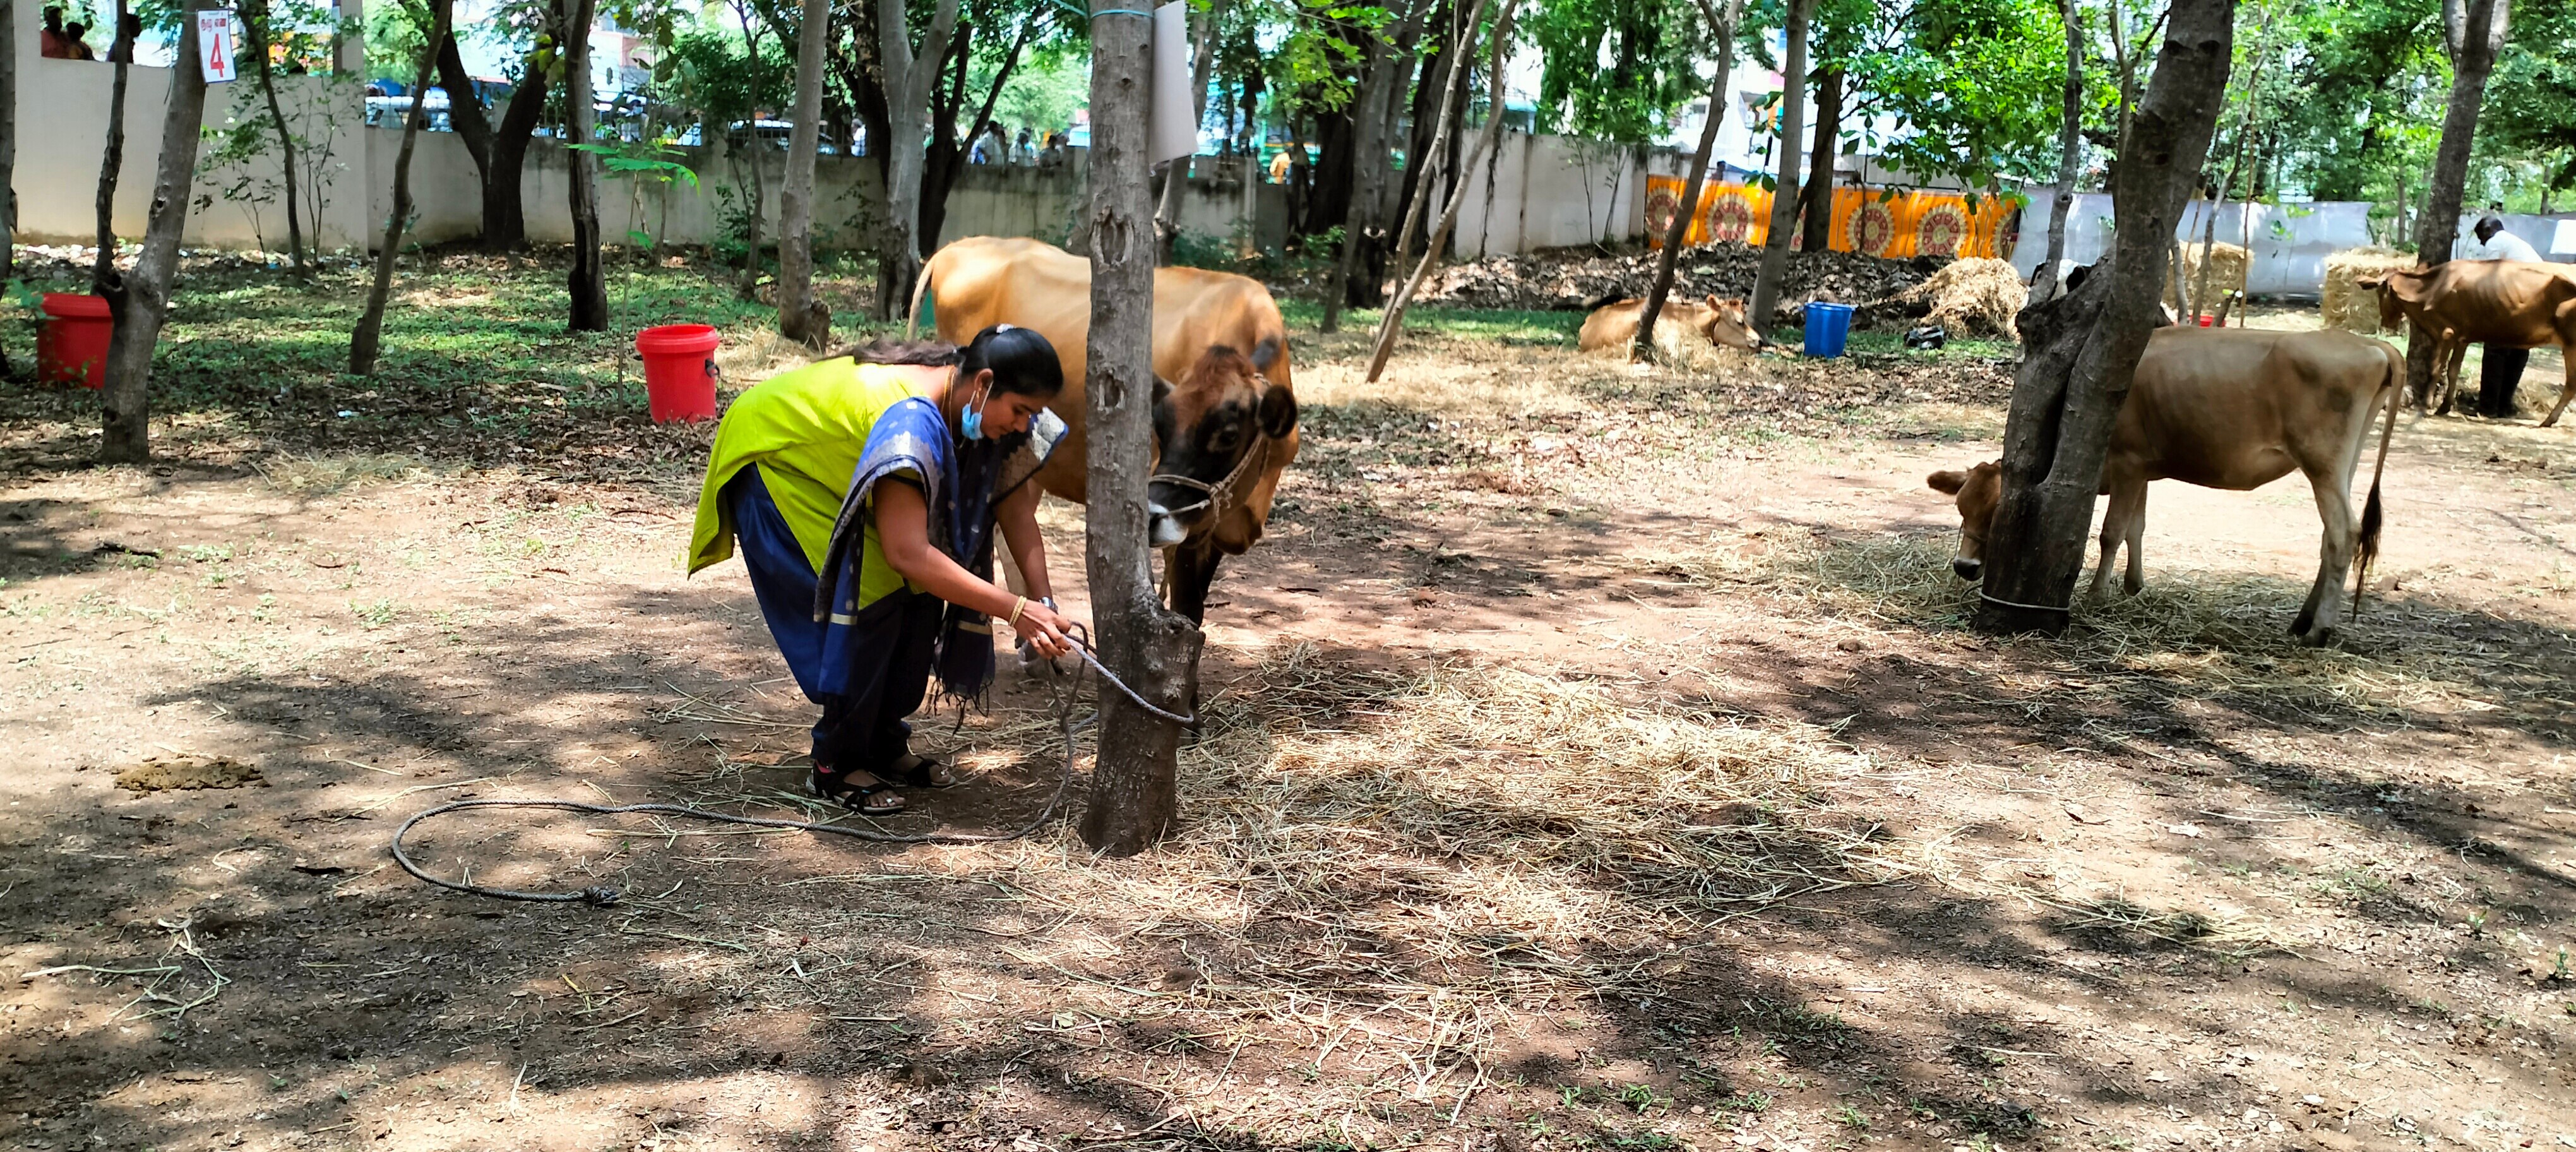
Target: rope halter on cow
1224 496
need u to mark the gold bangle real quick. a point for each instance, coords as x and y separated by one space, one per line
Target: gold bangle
1019 604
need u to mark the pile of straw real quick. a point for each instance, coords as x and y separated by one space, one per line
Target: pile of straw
2345 304
1975 296
2227 263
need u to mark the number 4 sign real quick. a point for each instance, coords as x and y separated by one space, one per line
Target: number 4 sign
215 45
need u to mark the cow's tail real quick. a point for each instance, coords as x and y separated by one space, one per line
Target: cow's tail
920 284
2371 513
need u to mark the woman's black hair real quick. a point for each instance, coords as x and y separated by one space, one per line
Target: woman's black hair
1022 361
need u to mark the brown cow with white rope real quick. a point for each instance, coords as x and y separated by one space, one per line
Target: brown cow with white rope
2233 408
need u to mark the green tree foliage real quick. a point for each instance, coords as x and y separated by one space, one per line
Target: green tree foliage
2531 99
1619 69
1973 85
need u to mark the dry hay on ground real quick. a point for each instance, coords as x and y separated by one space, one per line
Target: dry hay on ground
2227 265
2345 304
1976 296
1570 278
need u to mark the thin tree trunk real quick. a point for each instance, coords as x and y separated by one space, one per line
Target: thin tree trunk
1679 230
363 342
1167 214
2082 349
801 317
1134 786
505 217
1369 159
1818 196
2218 195
259 30
1784 192
103 279
2070 151
908 84
8 160
143 299
587 283
758 199
1394 321
465 105
1453 109
2474 30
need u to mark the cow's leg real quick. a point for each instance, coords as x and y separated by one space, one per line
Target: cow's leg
2450 374
2136 578
1192 568
2316 622
2566 391
2127 499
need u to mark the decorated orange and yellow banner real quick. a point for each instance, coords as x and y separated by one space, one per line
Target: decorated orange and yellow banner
1873 221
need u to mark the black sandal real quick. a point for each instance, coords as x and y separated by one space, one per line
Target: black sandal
926 773
855 797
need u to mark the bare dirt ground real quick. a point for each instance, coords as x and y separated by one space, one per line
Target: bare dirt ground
1593 760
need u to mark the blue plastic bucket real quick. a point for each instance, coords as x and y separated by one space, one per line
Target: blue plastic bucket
1828 325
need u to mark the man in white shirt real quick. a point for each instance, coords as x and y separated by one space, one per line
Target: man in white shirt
2499 369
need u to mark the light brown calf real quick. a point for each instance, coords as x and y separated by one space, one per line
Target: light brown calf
1720 322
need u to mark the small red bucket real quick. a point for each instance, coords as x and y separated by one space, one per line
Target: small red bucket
680 371
72 346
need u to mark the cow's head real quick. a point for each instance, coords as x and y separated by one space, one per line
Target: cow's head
1205 426
1722 321
1979 489
2395 290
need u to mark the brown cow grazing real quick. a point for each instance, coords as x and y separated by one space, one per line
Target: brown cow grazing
1226 423
1720 322
2233 408
2513 303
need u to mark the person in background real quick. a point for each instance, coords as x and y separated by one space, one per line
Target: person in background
122 52
997 144
1279 167
1022 151
1053 156
2499 369
76 34
51 40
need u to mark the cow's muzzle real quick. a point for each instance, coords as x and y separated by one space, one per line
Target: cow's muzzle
1162 529
1968 570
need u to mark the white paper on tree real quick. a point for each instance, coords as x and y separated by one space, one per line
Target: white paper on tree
215 45
1171 127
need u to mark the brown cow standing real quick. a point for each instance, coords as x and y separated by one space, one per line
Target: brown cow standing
1228 421
2233 408
2514 303
1720 322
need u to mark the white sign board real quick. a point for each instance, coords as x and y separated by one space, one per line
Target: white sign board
215 45
1172 130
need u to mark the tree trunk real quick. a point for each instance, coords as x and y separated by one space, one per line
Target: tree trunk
801 317
938 175
505 217
1134 785
1679 230
1818 196
2474 30
587 283
1784 192
758 200
2070 151
908 82
143 298
102 276
364 341
255 20
1432 159
465 105
2082 349
1167 214
1394 321
1369 158
8 160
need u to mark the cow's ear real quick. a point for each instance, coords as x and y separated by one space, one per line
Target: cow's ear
1947 482
1278 411
1265 354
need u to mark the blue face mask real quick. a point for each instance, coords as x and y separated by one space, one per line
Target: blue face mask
972 420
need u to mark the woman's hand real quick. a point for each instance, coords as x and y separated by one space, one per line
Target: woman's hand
1044 628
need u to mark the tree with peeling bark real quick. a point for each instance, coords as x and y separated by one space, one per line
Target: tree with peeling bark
1784 187
364 342
1134 777
1679 230
142 297
1393 322
801 316
587 283
2474 32
2081 350
910 76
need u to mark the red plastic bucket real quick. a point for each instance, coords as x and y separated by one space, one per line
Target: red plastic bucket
72 346
680 371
